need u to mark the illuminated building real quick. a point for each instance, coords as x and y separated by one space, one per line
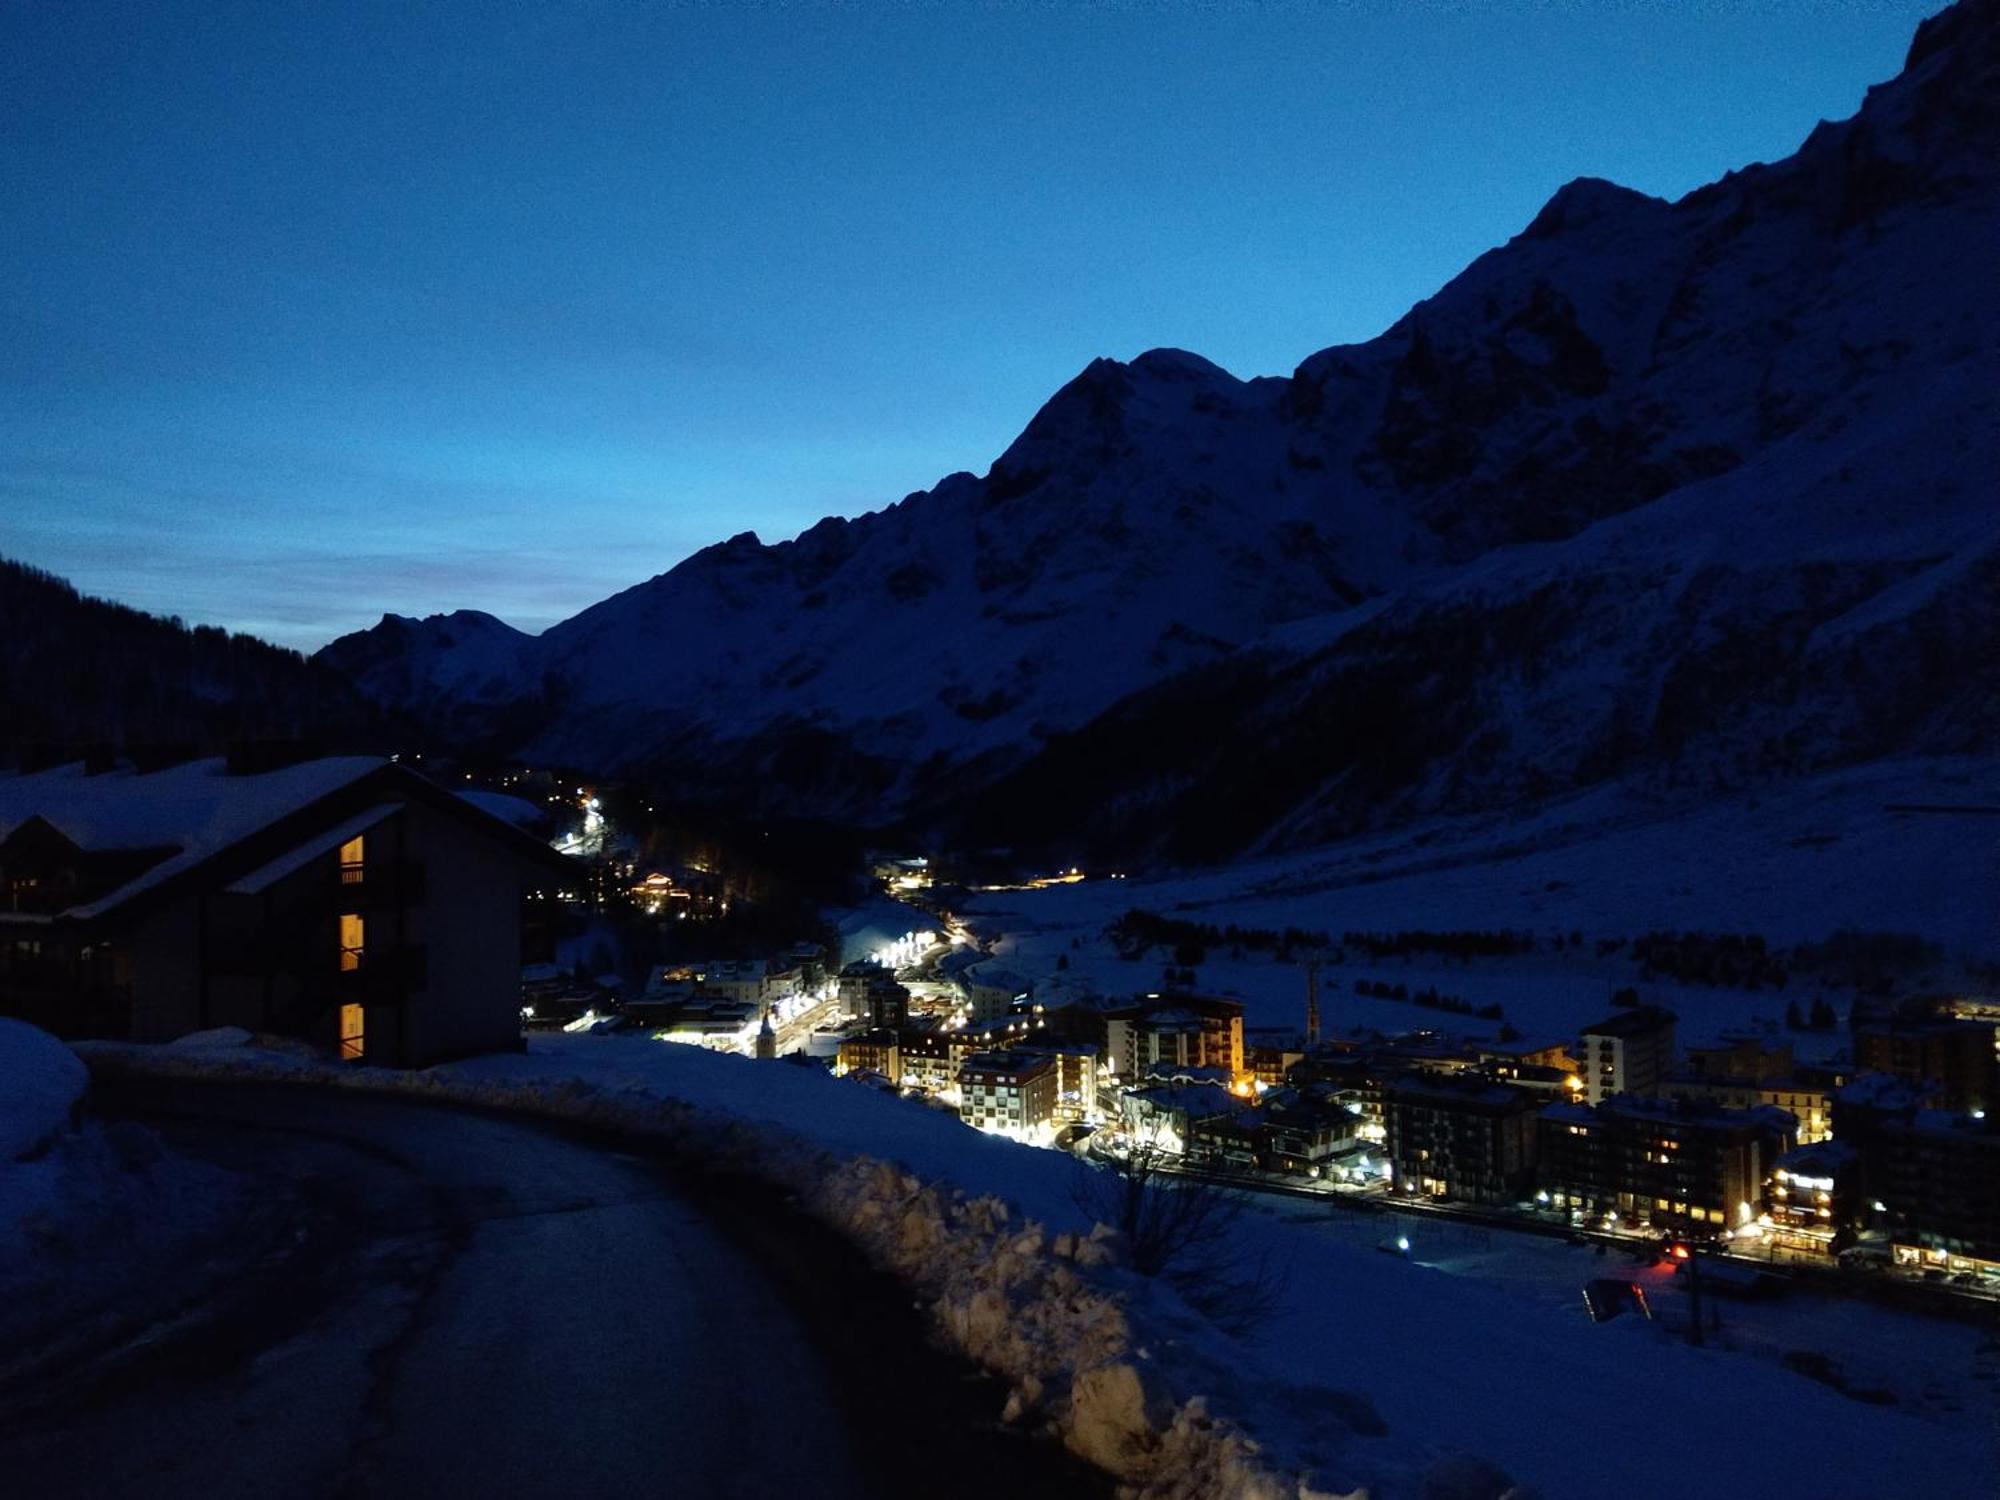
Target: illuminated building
1805 1097
1351 1079
1464 1138
869 989
1938 1175
1270 1057
1935 1176
1232 1141
991 992
1008 1093
1627 1053
1524 1055
1164 1115
930 1060
352 903
1183 1030
872 1052
1306 1130
1076 1078
1814 1197
1665 1162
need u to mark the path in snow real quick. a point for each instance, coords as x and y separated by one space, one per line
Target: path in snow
486 1306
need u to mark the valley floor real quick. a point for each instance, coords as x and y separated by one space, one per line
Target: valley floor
1842 851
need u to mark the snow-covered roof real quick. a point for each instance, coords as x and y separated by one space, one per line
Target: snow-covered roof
196 809
1883 1091
1825 1158
508 809
1192 1099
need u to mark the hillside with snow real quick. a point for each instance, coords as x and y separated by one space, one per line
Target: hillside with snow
1683 497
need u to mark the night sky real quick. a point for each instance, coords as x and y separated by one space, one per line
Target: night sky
308 313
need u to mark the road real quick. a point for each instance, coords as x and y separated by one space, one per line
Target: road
795 1033
1961 1302
485 1306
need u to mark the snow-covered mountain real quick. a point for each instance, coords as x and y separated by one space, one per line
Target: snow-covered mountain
460 675
1688 491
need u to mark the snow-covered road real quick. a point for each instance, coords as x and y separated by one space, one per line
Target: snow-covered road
488 1307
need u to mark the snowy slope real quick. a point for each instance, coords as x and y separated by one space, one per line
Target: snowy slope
1692 493
1837 851
449 670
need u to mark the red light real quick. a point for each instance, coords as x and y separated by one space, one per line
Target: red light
1680 1252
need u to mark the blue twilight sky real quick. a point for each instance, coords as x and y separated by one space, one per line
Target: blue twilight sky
312 311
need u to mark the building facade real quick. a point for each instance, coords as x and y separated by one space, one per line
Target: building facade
1176 1031
872 1052
1952 1059
1668 1163
1008 1093
1466 1138
1630 1052
351 903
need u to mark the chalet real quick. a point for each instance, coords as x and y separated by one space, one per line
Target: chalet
1306 1130
348 902
1162 1117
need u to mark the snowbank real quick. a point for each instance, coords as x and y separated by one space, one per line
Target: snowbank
41 1090
1099 1356
76 1196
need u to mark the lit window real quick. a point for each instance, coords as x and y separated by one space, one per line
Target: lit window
353 939
352 859
351 1028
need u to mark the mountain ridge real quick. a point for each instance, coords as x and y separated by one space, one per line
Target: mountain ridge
1628 435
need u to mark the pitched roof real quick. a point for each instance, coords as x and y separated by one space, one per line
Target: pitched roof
197 811
261 879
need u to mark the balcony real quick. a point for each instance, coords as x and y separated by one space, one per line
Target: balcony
378 884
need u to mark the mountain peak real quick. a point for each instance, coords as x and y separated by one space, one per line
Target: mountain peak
1583 201
1978 20
1179 364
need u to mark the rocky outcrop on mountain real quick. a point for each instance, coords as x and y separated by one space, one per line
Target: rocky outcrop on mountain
1690 492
